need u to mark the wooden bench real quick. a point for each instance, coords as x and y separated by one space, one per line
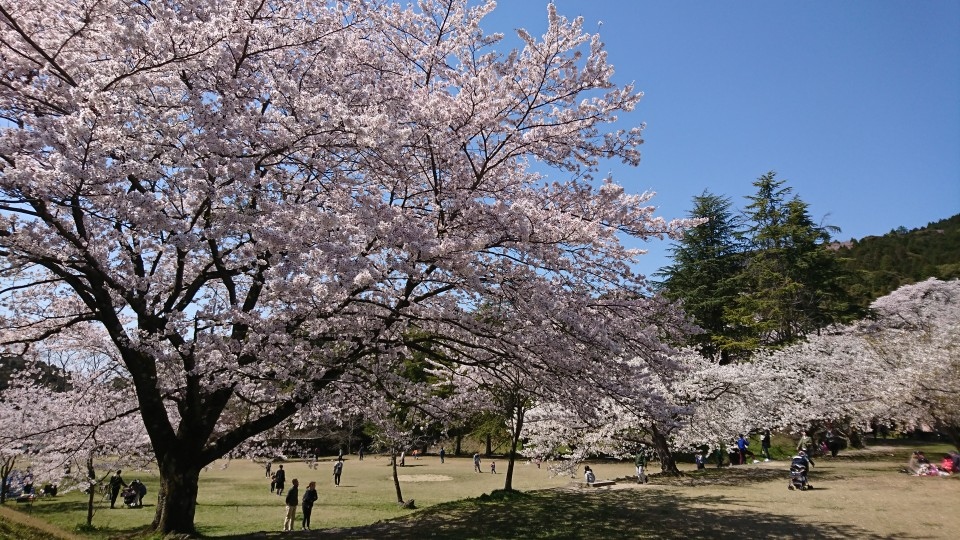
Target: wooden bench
602 483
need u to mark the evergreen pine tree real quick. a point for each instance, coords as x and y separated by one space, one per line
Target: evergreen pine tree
790 283
705 261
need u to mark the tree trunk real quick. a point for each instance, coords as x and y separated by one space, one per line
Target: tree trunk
856 438
489 445
177 499
720 452
458 448
515 440
396 479
668 465
91 490
952 432
5 469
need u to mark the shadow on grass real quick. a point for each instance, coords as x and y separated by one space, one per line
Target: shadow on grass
47 508
643 513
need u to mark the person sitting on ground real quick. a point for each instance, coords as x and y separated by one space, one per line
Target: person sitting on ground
588 475
913 464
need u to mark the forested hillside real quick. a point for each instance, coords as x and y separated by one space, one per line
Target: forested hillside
903 256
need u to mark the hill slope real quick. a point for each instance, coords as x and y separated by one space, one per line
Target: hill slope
900 257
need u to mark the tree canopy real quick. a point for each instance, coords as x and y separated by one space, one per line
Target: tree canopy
253 206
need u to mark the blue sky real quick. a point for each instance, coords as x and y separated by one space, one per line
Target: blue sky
855 103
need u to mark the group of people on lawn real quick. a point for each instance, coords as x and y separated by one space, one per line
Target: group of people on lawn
920 465
293 499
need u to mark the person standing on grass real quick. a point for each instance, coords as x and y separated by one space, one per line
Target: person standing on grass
476 461
833 442
337 471
116 481
493 467
765 445
279 479
640 462
309 497
293 498
806 444
443 454
28 482
360 453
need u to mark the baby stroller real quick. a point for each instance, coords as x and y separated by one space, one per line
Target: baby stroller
130 496
799 468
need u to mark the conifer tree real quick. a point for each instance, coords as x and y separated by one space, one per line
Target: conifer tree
705 263
790 283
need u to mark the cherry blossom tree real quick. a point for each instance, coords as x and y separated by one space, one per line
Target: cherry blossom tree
255 201
915 338
700 403
74 436
506 391
900 364
635 410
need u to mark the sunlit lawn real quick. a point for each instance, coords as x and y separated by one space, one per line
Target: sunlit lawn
234 496
857 495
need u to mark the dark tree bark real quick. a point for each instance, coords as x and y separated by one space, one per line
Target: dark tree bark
396 479
514 441
6 467
92 490
177 500
668 465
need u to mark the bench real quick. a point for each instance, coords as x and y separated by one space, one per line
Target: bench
602 483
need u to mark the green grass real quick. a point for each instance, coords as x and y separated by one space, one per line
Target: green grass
15 531
234 502
234 498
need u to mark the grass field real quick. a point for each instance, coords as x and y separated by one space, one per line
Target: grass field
858 495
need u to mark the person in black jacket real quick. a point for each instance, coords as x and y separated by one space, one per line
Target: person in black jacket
337 471
309 497
140 489
278 479
116 482
293 498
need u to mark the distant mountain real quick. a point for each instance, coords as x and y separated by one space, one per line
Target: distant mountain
900 257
